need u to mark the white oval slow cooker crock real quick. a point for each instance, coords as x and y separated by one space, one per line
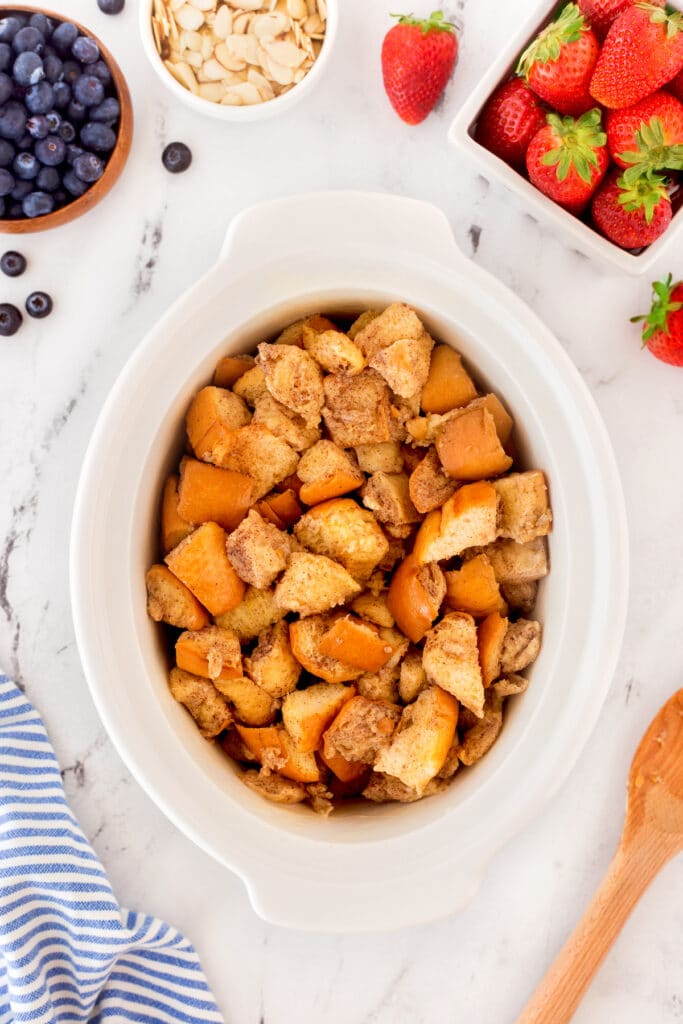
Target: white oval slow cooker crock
371 867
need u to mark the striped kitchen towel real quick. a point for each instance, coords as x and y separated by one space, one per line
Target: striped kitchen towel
68 952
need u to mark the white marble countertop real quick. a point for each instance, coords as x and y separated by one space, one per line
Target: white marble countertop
112 274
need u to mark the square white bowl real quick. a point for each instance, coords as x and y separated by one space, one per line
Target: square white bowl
577 234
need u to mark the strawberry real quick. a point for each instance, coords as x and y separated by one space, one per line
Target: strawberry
600 14
559 63
418 58
663 326
632 214
676 86
648 135
642 52
568 159
509 121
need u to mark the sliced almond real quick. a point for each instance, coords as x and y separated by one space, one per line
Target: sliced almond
184 74
191 41
242 48
246 5
286 54
213 70
175 5
189 17
207 45
203 5
313 25
297 9
223 54
193 59
222 25
247 92
231 100
277 72
312 6
262 84
241 23
212 91
274 24
322 9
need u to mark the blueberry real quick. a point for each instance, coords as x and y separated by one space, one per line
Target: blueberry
66 131
37 126
177 157
50 151
62 95
64 37
6 87
25 142
38 305
53 120
100 70
12 263
71 71
53 68
98 137
107 110
73 184
15 210
26 167
22 189
6 182
39 98
88 167
61 197
37 204
86 50
72 153
5 56
42 23
28 39
111 6
48 179
9 28
7 153
76 111
28 69
88 90
12 121
10 319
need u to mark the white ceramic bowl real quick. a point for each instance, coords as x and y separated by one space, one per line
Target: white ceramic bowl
578 235
371 867
253 112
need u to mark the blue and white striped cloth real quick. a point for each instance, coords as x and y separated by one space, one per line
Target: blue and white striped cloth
68 952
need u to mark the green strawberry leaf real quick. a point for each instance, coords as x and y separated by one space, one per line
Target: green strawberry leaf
434 23
645 192
578 142
546 47
673 20
658 317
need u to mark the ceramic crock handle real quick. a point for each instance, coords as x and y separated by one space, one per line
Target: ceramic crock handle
327 222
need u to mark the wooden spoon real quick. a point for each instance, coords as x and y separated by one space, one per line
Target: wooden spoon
652 835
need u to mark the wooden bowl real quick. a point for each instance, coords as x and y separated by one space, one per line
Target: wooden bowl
116 161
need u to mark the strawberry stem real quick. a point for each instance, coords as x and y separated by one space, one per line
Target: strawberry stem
652 153
646 193
578 142
434 23
658 317
672 20
566 28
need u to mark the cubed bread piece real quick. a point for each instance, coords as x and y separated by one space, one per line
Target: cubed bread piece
361 730
326 471
468 518
448 384
374 608
469 447
473 588
345 532
294 334
306 714
361 322
356 642
274 787
412 678
201 698
273 748
313 584
387 495
510 685
357 409
521 645
380 685
397 322
451 660
334 351
405 364
293 378
285 424
400 531
251 385
380 458
235 748
173 527
254 614
230 368
201 563
252 705
423 738
396 552
518 563
258 551
415 596
491 637
524 509
384 789
521 596
321 798
501 417
254 451
169 600
208 494
479 739
211 652
272 664
281 508
422 431
211 419
452 762
429 487
305 636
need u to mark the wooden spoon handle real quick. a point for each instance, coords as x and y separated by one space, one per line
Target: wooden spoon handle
628 876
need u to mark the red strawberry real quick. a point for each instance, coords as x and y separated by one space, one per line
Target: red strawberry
568 159
649 134
510 120
663 327
643 51
601 13
559 63
632 214
418 58
676 87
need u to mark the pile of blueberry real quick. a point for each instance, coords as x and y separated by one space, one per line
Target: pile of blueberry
59 114
37 305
